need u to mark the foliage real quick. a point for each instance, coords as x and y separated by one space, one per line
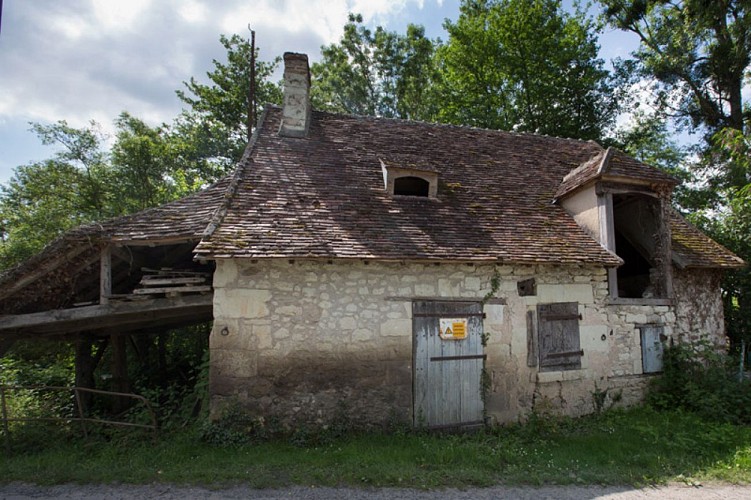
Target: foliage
84 183
648 139
213 132
144 166
696 52
638 446
44 199
525 65
698 378
379 73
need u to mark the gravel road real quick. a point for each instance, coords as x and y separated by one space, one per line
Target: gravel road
161 491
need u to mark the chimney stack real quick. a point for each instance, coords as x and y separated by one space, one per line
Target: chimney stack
296 106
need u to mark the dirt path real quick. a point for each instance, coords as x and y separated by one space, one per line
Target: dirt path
15 491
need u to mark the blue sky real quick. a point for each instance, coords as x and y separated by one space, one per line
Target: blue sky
83 60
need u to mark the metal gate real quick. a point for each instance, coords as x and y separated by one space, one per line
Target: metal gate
448 359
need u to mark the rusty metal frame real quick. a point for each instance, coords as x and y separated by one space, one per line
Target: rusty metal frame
154 426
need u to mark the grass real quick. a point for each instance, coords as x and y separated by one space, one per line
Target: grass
634 447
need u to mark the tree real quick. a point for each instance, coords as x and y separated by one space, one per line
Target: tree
648 139
697 54
44 199
214 130
377 73
525 65
732 227
144 164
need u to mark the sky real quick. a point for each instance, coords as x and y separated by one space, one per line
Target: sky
83 60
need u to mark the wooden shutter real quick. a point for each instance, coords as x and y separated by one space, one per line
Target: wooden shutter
651 348
558 331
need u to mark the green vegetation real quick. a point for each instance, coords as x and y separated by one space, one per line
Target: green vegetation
639 446
698 379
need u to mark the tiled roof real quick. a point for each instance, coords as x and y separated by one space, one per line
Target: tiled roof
185 218
69 262
323 196
612 163
694 249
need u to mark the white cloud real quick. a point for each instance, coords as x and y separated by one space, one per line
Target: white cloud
119 15
192 11
91 59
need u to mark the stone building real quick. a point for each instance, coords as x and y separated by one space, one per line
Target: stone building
434 274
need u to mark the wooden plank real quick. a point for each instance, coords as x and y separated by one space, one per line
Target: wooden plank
182 289
460 357
651 348
157 281
558 331
531 340
61 321
174 272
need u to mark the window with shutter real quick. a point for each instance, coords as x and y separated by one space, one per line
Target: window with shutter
558 336
652 337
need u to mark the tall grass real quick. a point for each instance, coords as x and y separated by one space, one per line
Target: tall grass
638 446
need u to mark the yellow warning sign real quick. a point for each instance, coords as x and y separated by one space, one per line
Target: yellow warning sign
453 328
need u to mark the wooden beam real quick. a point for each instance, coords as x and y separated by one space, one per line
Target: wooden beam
156 242
43 270
130 315
105 275
170 289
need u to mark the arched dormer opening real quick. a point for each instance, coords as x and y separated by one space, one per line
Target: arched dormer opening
416 182
410 185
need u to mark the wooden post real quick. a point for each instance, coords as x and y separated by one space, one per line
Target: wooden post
663 255
105 275
85 366
119 371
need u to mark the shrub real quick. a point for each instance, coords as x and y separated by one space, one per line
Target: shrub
698 378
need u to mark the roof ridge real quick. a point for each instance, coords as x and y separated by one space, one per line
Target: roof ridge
221 212
446 125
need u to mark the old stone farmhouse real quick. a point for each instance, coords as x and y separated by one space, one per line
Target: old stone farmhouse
434 274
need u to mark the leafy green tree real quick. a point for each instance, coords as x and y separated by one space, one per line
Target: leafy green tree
44 199
732 227
211 135
377 72
525 65
696 51
648 138
144 165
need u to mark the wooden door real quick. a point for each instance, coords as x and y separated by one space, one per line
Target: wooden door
448 360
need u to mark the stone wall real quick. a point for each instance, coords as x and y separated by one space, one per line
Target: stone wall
300 339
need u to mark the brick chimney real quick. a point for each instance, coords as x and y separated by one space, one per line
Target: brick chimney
296 107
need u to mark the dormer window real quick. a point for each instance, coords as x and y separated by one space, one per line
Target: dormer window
405 181
411 186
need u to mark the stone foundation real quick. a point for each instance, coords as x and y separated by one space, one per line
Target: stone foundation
302 340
